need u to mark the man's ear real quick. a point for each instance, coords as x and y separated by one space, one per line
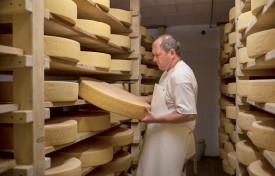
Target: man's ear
172 52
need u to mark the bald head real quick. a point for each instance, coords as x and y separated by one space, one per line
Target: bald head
167 42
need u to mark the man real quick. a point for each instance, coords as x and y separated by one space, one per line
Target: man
169 139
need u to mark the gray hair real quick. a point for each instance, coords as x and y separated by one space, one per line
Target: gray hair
168 42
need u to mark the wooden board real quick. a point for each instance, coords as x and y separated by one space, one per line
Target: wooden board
4 108
7 50
265 62
6 164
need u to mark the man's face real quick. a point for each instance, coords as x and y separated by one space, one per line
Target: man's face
162 58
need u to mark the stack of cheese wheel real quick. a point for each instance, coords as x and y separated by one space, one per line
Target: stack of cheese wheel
6 136
262 91
150 72
232 88
242 86
103 4
121 65
112 99
243 56
257 6
91 152
123 16
120 40
65 9
119 136
245 119
244 20
62 48
148 55
60 91
233 63
58 132
143 31
143 69
95 59
94 27
87 120
260 168
226 168
231 112
247 153
263 134
232 160
64 165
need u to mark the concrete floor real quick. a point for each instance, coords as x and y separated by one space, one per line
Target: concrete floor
207 166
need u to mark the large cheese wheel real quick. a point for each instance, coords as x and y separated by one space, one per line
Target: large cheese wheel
234 137
91 152
233 62
222 138
243 56
123 16
118 136
260 168
224 120
226 168
228 146
232 160
224 88
245 119
95 59
260 43
62 48
232 88
226 68
148 88
149 39
232 38
148 55
227 28
244 20
87 120
143 69
223 153
6 94
104 4
64 166
116 117
257 5
232 14
224 103
142 51
229 127
242 87
150 72
143 31
263 134
120 40
112 99
247 153
94 27
121 65
122 161
123 86
231 112
262 91
60 132
65 9
58 91
227 48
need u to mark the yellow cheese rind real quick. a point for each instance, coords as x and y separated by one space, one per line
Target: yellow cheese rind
143 69
233 63
228 146
123 16
232 38
260 43
150 72
143 31
62 165
232 160
149 39
62 48
229 128
120 40
227 28
58 133
223 153
257 6
227 48
121 65
117 117
112 99
148 55
262 91
226 168
65 9
60 91
142 51
260 168
244 20
232 14
232 88
263 134
242 87
95 59
94 27
98 171
247 153
123 86
231 112
243 56
104 4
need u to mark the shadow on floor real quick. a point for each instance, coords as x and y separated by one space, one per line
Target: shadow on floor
207 166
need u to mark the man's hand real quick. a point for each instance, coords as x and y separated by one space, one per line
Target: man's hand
149 117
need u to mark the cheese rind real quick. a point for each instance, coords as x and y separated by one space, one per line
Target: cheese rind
226 168
143 69
232 88
243 56
233 63
231 112
232 38
257 5
227 28
120 40
232 160
123 16
104 4
232 14
260 168
121 65
228 146
244 20
143 31
242 87
247 153
262 91
95 59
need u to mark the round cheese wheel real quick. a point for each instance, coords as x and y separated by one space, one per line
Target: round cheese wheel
257 6
98 171
232 88
123 16
222 138
227 48
242 87
103 4
260 168
228 146
148 55
232 160
150 72
243 56
120 40
232 14
231 112
227 28
121 65
262 91
244 20
229 127
116 117
142 51
232 38
233 63
226 168
143 31
223 153
95 59
143 69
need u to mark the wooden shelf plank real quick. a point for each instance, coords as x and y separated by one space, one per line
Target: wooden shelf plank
61 104
58 27
4 108
89 10
269 107
270 156
7 50
265 62
6 164
265 20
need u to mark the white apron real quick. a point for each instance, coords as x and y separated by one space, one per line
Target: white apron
166 146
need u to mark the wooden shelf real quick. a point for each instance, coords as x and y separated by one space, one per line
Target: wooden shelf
4 108
89 10
270 156
56 26
146 45
149 63
6 164
229 75
265 62
269 107
265 20
61 104
7 50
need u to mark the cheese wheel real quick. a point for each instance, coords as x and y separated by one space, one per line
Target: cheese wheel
227 48
232 88
257 6
247 153
226 68
60 132
233 63
244 20
243 56
123 86
116 117
59 91
227 28
118 136
142 51
95 59
120 40
260 168
224 88
112 99
104 4
232 160
121 162
143 31
234 137
143 69
260 43
229 128
150 72
245 119
123 16
223 55
232 38
232 14
121 65
228 146
100 172
149 39
6 93
91 152
262 91
224 103
64 166
62 48
224 120
263 134
94 27
242 87
223 153
148 55
231 112
226 168
222 138
148 88
65 9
